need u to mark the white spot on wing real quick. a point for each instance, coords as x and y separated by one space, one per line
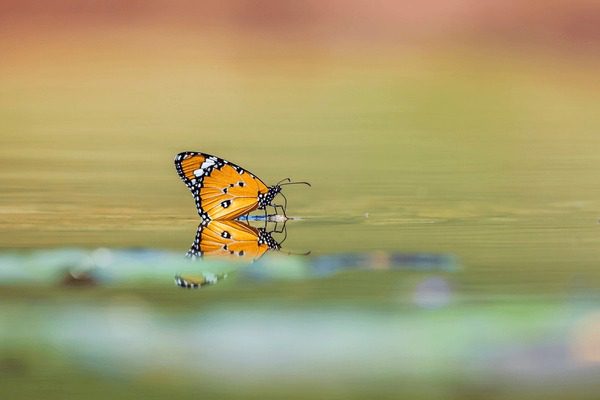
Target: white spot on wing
207 164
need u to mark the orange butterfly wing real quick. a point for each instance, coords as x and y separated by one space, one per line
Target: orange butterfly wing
222 190
228 238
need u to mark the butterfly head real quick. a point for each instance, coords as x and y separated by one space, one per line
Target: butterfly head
266 199
273 191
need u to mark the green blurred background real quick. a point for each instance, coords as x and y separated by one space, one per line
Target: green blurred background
463 128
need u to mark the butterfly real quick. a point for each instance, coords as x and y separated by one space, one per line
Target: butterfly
223 190
232 239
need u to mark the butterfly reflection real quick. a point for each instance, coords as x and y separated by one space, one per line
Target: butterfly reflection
231 239
235 239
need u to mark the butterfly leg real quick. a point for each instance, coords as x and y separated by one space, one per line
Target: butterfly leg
276 207
283 229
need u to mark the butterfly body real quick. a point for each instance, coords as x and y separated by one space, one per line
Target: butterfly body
222 190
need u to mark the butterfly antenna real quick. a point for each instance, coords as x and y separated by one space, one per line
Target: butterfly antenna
294 183
283 180
289 253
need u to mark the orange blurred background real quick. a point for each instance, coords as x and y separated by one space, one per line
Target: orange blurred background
573 24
